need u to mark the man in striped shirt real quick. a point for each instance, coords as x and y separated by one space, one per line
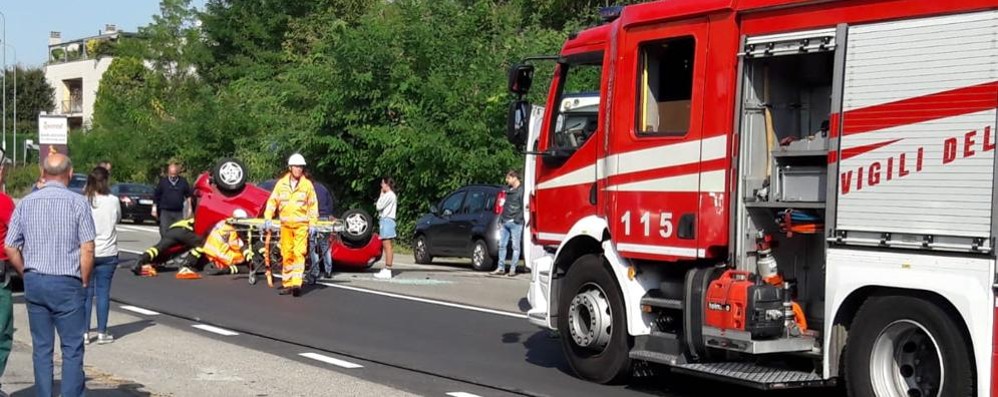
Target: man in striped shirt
50 242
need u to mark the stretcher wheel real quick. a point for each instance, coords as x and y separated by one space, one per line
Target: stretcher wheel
252 277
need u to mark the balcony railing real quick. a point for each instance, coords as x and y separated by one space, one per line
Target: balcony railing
72 106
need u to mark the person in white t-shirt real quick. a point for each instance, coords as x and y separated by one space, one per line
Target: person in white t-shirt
106 211
386 206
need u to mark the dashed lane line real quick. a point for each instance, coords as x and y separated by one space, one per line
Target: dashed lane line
215 330
461 394
329 360
139 310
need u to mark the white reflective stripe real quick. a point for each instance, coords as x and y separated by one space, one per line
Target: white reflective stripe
551 236
712 181
580 176
461 394
661 250
681 183
671 155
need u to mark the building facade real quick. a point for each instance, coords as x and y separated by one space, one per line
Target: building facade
74 71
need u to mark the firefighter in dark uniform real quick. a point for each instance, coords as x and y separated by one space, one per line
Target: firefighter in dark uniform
180 233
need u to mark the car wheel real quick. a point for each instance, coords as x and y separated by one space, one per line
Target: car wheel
421 251
592 323
906 346
480 258
359 226
229 175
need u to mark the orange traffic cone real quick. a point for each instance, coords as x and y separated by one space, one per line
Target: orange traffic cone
148 271
186 273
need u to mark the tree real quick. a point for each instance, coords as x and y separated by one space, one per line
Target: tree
34 95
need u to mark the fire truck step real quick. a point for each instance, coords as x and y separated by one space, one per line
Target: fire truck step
665 303
754 375
656 357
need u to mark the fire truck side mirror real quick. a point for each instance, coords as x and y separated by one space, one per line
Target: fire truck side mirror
520 77
518 122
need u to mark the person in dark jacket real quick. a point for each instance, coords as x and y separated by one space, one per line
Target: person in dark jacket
172 194
512 224
320 250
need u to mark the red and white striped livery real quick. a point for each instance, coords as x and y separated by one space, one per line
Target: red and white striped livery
776 193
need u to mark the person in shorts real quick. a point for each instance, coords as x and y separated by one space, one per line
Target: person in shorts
386 206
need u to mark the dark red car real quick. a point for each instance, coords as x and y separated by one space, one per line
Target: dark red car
223 190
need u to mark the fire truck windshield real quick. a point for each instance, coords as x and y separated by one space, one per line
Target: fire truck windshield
578 102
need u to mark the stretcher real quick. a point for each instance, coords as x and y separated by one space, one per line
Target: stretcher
267 242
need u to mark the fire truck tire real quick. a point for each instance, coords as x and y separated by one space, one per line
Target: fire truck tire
592 323
906 346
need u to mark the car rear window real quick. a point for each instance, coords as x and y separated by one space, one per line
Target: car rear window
135 189
475 202
78 181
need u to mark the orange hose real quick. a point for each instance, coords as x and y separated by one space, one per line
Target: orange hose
266 259
799 316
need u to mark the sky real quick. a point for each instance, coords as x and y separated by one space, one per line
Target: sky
30 21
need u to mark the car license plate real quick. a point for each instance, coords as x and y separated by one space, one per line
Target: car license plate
145 202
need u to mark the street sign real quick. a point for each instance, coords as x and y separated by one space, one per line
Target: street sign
53 130
53 136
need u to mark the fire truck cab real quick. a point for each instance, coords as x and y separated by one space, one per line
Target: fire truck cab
776 193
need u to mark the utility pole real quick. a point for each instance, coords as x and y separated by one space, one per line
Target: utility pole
3 124
12 48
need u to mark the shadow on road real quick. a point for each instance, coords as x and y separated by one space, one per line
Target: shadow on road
121 390
122 330
544 350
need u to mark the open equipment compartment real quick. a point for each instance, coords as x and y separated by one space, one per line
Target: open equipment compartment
786 104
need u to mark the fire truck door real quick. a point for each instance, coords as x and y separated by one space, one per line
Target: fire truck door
654 164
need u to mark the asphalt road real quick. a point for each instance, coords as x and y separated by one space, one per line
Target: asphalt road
421 347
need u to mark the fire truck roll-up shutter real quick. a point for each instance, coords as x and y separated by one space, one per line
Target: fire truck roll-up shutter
916 157
790 43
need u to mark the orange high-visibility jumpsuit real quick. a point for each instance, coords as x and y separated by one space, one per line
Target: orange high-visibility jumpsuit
298 209
225 249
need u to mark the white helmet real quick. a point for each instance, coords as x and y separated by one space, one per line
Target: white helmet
296 159
239 213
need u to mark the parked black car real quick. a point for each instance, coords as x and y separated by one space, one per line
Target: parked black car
136 201
464 224
77 183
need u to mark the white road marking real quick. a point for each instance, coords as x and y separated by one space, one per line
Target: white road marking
138 229
215 330
430 301
461 394
139 310
329 360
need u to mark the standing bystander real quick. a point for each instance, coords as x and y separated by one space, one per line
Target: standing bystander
6 301
172 194
50 242
320 250
106 210
512 224
386 206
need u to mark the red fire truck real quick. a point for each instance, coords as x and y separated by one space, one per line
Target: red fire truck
777 193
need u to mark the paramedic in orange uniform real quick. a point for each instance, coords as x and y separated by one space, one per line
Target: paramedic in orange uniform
225 249
297 207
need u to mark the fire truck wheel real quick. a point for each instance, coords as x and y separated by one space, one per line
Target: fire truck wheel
480 258
906 346
592 323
